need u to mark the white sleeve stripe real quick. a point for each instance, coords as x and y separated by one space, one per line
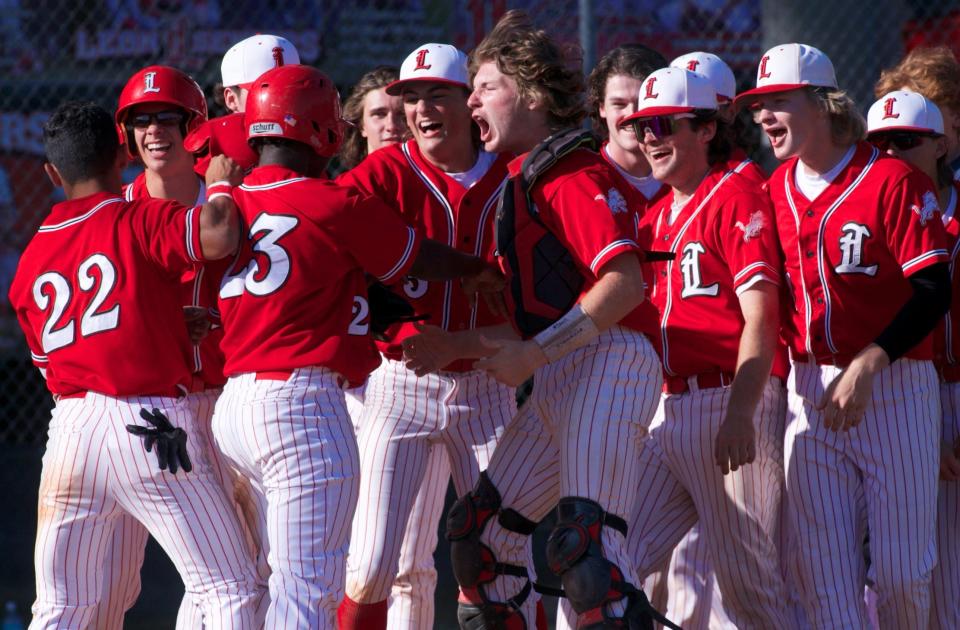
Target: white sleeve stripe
42 358
923 257
606 250
760 277
753 267
412 237
191 252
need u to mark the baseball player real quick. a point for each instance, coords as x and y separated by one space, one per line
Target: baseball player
612 89
415 430
689 582
157 107
248 59
910 126
854 224
98 296
575 441
935 73
377 118
297 321
714 451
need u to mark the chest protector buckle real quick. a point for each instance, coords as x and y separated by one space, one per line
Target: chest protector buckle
545 281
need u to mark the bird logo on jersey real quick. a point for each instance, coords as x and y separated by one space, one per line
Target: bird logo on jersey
930 206
752 227
614 200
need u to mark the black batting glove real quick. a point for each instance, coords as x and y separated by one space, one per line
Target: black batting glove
170 441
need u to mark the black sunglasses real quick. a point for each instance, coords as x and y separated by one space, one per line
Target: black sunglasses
899 140
169 118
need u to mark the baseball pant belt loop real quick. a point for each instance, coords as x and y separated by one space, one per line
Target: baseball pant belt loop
706 380
284 375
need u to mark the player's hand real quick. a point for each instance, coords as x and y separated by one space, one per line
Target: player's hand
511 362
490 284
170 441
221 169
949 463
736 442
198 324
430 351
845 400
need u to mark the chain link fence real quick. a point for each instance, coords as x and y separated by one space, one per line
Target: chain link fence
55 50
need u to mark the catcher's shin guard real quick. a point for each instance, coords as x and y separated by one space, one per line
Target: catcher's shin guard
590 581
475 565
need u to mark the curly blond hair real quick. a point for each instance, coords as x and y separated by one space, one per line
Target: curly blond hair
541 68
933 72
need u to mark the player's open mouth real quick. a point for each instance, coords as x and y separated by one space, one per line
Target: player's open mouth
484 128
776 135
658 155
429 129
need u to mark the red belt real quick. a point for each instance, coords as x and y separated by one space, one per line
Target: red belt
174 392
949 373
707 380
837 360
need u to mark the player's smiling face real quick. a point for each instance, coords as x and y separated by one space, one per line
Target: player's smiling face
158 137
679 159
439 120
787 118
619 101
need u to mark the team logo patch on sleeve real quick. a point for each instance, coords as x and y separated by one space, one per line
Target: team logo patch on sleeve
930 206
614 200
752 228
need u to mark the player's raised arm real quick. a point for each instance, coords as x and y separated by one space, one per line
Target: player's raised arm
219 221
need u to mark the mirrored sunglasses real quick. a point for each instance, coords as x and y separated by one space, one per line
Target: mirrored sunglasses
659 126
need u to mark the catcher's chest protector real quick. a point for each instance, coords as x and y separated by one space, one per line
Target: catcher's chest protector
545 281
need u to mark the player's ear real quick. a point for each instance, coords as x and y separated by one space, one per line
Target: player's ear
53 174
941 146
706 131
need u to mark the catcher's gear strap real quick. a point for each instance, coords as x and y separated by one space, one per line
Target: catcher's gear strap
548 271
474 563
575 553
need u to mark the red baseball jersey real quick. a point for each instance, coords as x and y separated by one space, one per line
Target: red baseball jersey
947 338
97 288
444 211
200 287
582 201
725 241
297 294
849 252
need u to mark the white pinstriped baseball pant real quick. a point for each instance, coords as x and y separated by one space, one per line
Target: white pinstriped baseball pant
294 441
411 603
407 422
945 591
94 471
577 436
738 514
882 474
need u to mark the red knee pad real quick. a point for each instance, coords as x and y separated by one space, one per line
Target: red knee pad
355 616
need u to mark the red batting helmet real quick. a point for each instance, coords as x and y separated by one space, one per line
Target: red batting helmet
297 103
161 84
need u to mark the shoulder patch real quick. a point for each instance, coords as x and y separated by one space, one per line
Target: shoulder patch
753 227
614 200
930 206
